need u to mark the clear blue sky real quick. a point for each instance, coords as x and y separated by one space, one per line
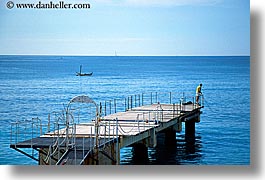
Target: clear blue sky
130 27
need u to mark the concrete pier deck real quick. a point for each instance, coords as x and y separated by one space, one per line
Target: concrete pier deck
100 141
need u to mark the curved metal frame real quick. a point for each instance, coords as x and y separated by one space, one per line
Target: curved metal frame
83 99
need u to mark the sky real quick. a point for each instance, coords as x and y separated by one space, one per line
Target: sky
129 27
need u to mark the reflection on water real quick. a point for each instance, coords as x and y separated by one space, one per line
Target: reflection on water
179 151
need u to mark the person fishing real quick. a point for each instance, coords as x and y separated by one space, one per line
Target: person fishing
198 93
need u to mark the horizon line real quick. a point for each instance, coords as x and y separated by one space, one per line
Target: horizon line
84 55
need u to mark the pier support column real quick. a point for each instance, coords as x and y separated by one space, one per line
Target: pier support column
190 130
140 153
152 141
110 154
170 136
117 152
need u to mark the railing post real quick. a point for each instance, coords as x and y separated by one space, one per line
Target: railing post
113 130
100 108
128 105
105 108
151 98
74 135
135 100
109 131
156 98
90 141
125 104
173 110
131 102
142 99
139 98
180 103
105 129
162 115
115 110
117 128
177 109
170 100
110 107
117 143
17 131
49 122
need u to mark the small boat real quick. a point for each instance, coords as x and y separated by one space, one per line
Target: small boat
83 74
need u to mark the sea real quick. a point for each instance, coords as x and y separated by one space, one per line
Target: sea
33 86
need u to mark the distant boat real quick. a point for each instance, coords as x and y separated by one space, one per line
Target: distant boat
83 74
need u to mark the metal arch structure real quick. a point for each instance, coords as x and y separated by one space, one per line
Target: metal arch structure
83 99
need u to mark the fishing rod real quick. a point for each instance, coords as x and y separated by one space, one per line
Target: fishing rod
208 105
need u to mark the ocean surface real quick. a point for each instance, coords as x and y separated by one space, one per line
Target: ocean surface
33 86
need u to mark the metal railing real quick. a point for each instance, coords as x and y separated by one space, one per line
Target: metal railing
25 129
137 100
63 127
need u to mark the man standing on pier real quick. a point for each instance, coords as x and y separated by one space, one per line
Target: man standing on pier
198 93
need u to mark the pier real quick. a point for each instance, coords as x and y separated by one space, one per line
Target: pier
63 139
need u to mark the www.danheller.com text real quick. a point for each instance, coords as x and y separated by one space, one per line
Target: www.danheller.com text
48 5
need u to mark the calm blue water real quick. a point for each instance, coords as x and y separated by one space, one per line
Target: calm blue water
33 86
